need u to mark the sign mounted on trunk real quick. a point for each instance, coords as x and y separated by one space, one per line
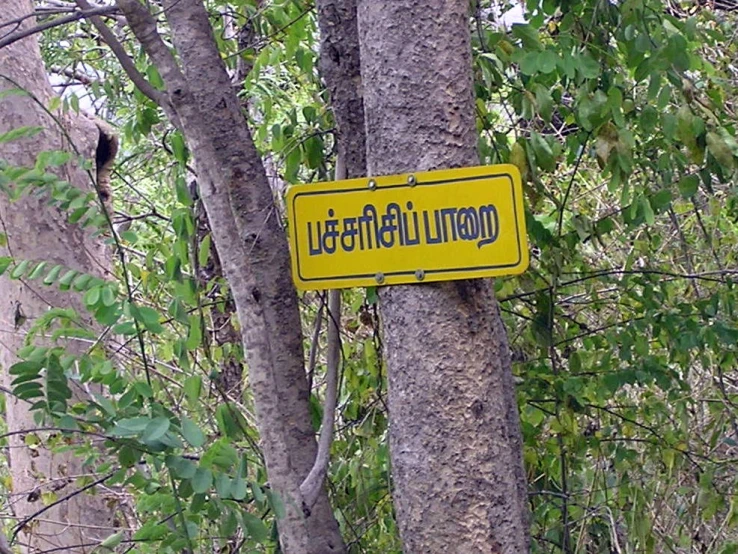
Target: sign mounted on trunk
430 226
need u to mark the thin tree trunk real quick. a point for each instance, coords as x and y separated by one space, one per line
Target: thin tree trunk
253 249
35 231
459 484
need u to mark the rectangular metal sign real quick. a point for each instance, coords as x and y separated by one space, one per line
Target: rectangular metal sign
430 226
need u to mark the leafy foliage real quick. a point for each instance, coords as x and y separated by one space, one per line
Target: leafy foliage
620 117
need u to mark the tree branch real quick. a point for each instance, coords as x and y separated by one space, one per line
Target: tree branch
143 25
313 483
86 13
72 494
72 74
125 61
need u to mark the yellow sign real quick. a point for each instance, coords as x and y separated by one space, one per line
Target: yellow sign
432 226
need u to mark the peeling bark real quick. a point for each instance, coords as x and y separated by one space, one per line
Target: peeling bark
456 448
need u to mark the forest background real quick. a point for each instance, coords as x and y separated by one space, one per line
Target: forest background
621 119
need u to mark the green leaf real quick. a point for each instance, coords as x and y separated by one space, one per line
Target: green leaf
204 252
588 67
238 488
108 296
5 262
192 433
544 103
194 336
66 281
313 152
275 501
129 427
529 63
50 279
37 270
542 150
661 200
528 36
688 186
155 429
92 297
202 480
151 531
26 367
220 455
179 148
649 119
20 132
181 467
230 421
192 387
547 61
718 147
19 270
128 456
105 403
148 316
255 527
26 391
647 210
223 486
112 541
129 236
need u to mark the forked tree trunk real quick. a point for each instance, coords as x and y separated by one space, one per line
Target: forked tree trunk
253 249
38 232
455 440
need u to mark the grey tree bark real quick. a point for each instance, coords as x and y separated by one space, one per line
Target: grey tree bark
38 232
340 67
459 484
253 248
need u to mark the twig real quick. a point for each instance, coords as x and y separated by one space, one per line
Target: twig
685 249
313 355
30 518
92 12
125 61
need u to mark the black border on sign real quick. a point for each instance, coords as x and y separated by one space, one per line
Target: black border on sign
405 185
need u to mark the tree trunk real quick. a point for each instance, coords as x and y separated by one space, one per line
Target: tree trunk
340 67
459 484
36 231
253 249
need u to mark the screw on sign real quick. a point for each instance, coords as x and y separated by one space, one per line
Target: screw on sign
427 226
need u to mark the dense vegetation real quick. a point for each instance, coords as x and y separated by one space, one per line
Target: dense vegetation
621 119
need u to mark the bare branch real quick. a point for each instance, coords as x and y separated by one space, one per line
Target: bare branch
313 483
125 61
313 355
30 518
93 12
72 74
